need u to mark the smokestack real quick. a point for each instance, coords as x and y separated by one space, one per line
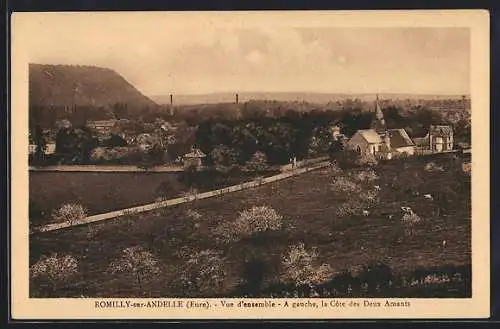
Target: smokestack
236 98
171 99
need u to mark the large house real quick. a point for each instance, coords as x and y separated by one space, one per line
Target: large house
438 139
104 128
381 142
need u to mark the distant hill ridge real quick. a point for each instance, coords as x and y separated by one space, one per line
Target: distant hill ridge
310 97
68 85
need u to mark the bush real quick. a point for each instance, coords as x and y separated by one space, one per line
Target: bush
349 208
203 273
366 175
258 162
298 267
55 268
432 166
224 158
249 222
349 158
193 215
136 261
71 213
345 185
369 197
409 221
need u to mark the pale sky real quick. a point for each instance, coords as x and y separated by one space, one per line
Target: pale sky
159 55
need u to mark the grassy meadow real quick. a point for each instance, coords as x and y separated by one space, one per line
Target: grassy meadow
374 241
103 192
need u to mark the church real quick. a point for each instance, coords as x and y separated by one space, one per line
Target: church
381 142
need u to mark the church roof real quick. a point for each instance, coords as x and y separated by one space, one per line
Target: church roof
370 135
378 124
399 138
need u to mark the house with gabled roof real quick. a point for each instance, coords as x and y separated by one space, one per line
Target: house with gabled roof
439 139
379 141
193 159
401 142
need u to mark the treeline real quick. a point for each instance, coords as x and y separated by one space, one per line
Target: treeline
79 115
305 134
234 141
196 113
375 280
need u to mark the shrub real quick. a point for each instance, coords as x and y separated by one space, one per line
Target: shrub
369 197
409 221
298 266
251 221
224 158
258 162
71 213
367 160
345 185
367 175
136 261
204 272
193 215
432 166
349 158
55 268
349 208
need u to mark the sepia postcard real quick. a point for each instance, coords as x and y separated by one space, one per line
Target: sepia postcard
250 165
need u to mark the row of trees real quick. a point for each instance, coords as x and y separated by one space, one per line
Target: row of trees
233 142
303 134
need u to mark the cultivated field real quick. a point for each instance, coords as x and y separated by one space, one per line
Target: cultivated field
397 262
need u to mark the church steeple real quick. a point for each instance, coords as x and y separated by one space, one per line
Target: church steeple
378 124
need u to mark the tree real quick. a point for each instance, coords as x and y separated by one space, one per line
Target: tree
114 141
321 141
300 267
70 212
40 142
75 145
203 274
56 269
258 162
349 158
257 219
140 263
224 158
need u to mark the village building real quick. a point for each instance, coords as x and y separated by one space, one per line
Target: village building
381 142
439 139
63 124
336 134
146 141
193 159
50 148
103 128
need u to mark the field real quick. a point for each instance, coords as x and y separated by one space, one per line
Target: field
376 243
102 192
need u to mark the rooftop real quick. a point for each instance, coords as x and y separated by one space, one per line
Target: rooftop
399 138
195 153
371 136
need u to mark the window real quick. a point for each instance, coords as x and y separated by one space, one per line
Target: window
358 149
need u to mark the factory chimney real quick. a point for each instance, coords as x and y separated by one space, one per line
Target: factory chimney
236 98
